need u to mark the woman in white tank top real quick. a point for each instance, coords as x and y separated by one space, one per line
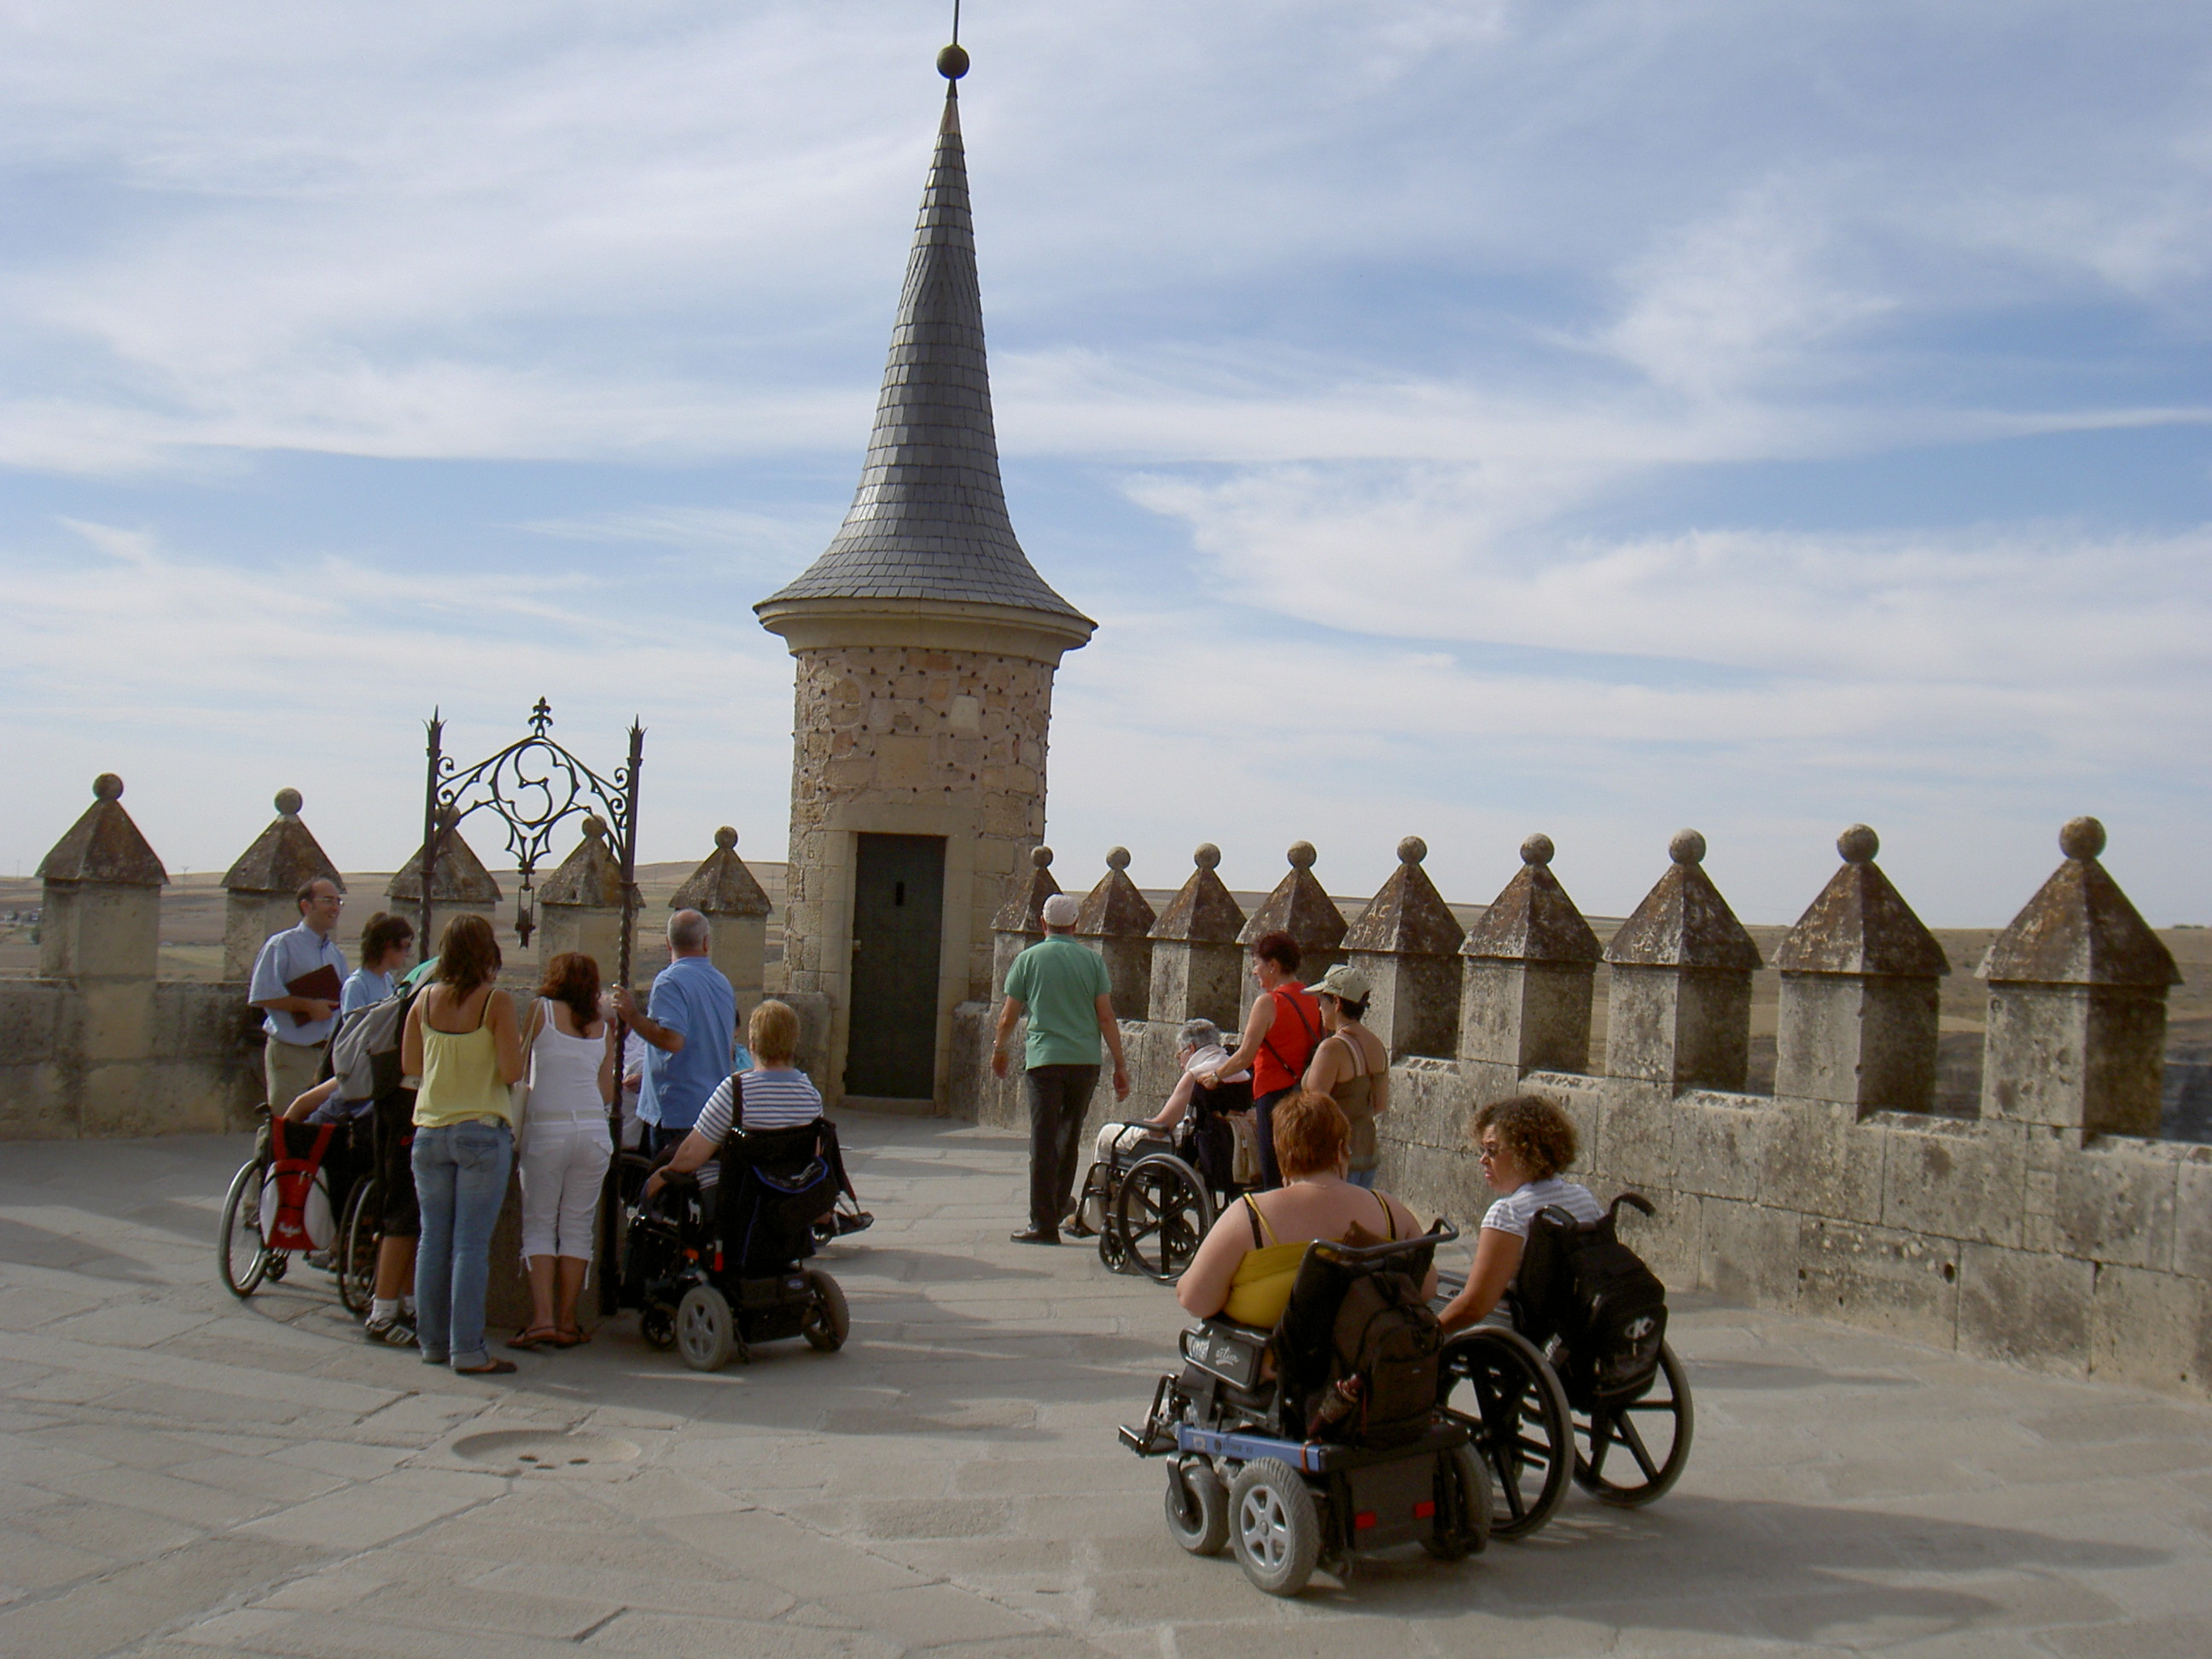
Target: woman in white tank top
565 1147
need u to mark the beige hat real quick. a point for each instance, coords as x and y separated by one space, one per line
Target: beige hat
1343 982
1060 910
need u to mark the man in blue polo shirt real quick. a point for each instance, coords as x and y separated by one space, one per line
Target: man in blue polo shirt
688 1026
296 1024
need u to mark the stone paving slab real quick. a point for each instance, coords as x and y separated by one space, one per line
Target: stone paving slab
184 1474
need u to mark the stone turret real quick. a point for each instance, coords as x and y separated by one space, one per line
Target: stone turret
1859 993
2077 1036
1301 907
723 891
263 885
581 906
926 645
1197 963
1530 964
1679 1009
102 907
1406 942
1116 921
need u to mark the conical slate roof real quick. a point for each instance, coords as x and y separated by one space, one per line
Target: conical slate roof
929 519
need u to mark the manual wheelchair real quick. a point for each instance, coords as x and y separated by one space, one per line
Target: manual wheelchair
1242 1472
302 1178
1150 1203
714 1271
1619 1423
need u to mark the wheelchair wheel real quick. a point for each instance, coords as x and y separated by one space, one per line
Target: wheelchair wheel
706 1329
1275 1526
1161 1213
1646 1440
1494 1381
357 1241
1463 1512
242 1256
827 1322
657 1326
1111 1250
1198 1507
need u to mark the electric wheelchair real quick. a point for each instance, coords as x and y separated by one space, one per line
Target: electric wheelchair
1150 1203
714 1270
1265 1455
1572 1377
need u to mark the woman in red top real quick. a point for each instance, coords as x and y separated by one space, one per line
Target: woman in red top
1280 1035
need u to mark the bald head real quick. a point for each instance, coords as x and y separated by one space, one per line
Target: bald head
688 934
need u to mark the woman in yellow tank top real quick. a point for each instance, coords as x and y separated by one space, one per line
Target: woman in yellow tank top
462 1043
1247 1264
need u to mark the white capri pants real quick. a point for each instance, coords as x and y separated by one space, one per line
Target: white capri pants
563 1167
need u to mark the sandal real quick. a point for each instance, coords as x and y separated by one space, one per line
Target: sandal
536 1336
489 1368
571 1339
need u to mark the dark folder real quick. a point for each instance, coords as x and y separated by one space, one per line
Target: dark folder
323 984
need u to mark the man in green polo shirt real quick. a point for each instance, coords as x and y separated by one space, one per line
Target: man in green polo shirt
1068 997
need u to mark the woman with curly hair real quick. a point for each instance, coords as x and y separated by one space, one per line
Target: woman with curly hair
1524 1143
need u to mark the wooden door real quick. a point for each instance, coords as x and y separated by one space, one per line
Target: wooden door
898 917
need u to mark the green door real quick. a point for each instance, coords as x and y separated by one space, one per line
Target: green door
898 914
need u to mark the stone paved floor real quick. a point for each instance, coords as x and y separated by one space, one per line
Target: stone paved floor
181 1475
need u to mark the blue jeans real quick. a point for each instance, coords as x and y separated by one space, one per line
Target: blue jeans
460 1181
1361 1178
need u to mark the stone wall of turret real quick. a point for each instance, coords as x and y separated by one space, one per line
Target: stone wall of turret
2046 1222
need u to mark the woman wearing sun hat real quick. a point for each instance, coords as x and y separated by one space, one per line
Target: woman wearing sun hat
1350 1065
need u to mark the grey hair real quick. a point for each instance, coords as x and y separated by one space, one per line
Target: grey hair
1200 1033
688 930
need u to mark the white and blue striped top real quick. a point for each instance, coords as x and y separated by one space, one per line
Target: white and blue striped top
779 1098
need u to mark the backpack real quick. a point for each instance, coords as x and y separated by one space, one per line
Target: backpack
1382 1386
1580 1286
296 1195
364 1053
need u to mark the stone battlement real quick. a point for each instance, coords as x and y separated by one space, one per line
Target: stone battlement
2053 1227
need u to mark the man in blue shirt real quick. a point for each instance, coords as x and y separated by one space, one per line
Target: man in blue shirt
297 1025
688 1026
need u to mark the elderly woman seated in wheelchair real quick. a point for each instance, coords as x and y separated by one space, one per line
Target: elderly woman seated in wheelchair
1304 1426
1158 1182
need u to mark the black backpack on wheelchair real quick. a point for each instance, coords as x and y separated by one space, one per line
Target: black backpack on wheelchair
1580 1287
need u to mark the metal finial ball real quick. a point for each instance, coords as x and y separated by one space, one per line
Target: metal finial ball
1537 849
952 62
288 802
725 838
108 786
1858 844
2081 838
1207 856
595 828
1301 855
1687 847
1041 857
1117 857
1413 850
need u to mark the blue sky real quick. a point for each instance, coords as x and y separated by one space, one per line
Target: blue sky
1463 419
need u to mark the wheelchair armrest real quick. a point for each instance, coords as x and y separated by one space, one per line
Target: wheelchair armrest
677 1181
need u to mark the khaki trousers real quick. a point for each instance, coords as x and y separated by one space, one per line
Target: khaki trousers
290 1069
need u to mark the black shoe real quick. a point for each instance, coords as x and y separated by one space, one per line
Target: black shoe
1038 1236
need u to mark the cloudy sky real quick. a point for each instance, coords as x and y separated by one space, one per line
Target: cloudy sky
1463 419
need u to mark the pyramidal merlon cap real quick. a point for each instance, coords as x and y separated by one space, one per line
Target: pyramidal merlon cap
928 523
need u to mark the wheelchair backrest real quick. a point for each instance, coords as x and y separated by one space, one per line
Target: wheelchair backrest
1356 1317
1579 1284
775 1184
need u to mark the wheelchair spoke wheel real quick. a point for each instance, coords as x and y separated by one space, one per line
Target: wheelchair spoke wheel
1494 1381
357 1241
828 1321
657 1326
1275 1526
706 1329
1161 1213
1632 1453
241 1254
1197 1507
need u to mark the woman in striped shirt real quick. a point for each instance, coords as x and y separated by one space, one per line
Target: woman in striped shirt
775 1095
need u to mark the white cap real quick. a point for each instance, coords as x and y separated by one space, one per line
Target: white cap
1060 910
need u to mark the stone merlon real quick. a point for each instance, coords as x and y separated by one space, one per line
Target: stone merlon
2080 928
104 846
1533 920
721 885
284 858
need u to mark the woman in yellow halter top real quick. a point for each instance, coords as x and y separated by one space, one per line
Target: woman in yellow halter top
1247 1264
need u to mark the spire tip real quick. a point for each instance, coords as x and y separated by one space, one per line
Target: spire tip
952 62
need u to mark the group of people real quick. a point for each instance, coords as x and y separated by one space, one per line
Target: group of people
1319 1081
489 1088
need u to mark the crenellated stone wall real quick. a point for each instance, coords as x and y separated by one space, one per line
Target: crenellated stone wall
2053 1227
